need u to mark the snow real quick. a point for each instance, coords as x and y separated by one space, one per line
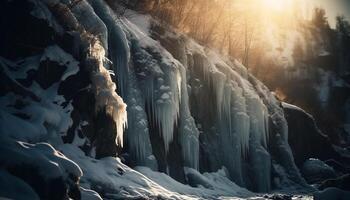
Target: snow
292 107
118 180
77 140
219 182
114 179
87 194
14 127
48 118
20 67
55 53
43 156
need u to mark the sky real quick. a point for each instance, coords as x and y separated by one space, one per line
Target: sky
333 8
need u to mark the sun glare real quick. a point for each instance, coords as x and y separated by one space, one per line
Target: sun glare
276 5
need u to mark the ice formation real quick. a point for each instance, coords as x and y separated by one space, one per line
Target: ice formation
118 47
219 116
105 92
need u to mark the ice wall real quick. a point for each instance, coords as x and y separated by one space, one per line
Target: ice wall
185 102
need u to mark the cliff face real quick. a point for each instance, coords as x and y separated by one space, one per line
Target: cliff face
74 73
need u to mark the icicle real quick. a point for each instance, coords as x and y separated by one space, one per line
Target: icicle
160 82
139 144
104 90
167 107
87 18
219 84
118 46
187 127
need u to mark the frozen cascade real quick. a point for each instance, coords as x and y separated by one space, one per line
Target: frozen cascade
104 89
242 119
118 46
159 81
103 86
241 113
85 14
280 137
137 133
187 127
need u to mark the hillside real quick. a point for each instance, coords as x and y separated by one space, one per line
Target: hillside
97 104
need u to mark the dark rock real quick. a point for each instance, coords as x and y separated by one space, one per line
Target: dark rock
48 73
316 171
281 197
41 172
338 167
25 34
305 139
342 182
9 85
104 135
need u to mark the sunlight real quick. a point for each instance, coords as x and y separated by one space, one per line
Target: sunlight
277 5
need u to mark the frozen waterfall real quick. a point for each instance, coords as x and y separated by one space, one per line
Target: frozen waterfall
183 94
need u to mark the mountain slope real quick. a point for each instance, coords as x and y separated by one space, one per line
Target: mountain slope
76 73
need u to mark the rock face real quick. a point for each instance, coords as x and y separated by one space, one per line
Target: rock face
342 182
192 114
316 171
38 170
305 139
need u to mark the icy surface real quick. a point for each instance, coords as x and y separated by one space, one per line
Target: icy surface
105 93
118 47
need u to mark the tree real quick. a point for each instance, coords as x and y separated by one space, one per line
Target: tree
319 18
342 26
343 44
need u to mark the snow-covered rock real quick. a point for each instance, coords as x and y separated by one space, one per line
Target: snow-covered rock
38 170
305 138
191 116
316 171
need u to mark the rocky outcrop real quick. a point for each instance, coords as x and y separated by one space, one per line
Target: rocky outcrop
39 170
342 182
305 139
